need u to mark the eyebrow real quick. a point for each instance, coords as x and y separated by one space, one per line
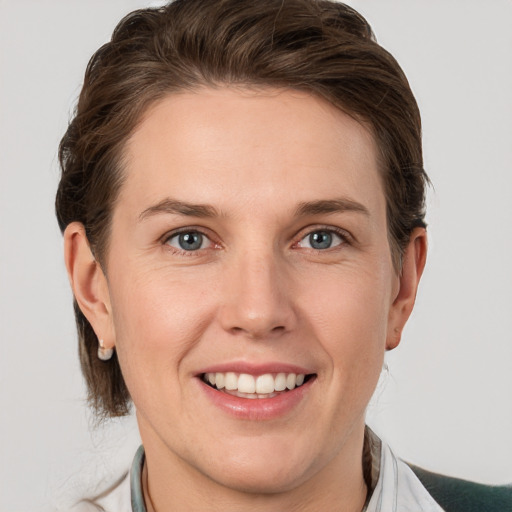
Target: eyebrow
173 206
323 206
327 206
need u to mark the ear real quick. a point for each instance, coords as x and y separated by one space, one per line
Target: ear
89 283
413 263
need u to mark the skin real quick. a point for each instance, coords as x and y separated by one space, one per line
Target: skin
256 291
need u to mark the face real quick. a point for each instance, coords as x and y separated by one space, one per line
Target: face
249 252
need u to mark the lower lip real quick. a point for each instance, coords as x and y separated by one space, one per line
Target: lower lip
257 409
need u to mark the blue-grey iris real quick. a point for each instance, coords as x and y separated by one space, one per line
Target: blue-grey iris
190 241
320 240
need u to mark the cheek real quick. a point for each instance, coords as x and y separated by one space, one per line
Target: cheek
350 320
351 309
158 319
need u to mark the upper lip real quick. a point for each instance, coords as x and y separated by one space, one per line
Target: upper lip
255 368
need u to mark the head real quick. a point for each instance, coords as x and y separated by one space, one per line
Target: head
159 60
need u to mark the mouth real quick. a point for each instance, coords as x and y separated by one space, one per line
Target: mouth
245 385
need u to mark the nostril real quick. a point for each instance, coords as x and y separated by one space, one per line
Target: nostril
257 333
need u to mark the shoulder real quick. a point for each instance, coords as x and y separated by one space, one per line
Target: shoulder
397 488
124 495
115 498
456 495
402 486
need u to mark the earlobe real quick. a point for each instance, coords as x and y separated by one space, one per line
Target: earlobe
88 283
414 259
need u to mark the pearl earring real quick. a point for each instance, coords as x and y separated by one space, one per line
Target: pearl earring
104 353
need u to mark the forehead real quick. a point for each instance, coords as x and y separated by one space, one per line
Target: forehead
218 145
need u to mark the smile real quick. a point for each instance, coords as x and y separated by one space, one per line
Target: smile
244 385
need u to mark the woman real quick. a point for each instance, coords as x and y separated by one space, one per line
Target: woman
242 202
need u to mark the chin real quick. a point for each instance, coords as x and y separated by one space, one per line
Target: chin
261 468
262 481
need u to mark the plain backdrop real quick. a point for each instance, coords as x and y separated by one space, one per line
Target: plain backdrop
446 401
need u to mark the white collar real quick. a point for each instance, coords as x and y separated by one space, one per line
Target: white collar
398 489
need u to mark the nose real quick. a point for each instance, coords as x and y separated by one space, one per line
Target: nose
257 298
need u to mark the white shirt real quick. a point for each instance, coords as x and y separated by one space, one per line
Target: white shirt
398 489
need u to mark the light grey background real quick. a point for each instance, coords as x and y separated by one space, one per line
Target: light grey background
446 402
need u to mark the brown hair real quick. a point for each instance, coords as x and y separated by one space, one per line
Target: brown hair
320 46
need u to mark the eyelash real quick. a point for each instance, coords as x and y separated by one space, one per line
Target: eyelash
187 230
346 239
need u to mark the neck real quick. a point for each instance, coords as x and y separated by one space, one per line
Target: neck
170 483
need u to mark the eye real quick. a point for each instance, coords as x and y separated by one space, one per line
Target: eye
189 241
321 240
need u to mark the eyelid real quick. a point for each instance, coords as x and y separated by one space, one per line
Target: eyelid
345 236
164 240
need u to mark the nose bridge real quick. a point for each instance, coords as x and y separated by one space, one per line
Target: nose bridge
257 299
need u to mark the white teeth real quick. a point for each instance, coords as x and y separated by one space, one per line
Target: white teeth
231 381
291 380
246 383
280 384
265 384
219 380
250 386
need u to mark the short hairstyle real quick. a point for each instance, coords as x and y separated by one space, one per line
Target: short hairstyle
319 46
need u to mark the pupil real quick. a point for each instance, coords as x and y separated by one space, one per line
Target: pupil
320 240
190 241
